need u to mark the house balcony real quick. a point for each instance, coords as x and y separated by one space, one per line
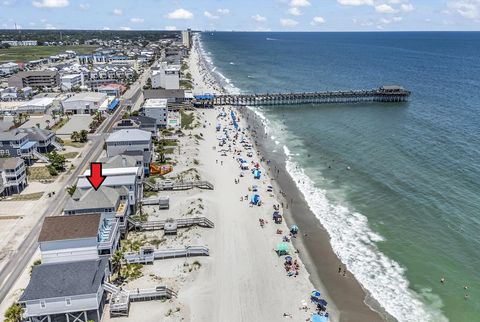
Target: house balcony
108 235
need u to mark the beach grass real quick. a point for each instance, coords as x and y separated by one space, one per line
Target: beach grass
70 155
73 144
39 173
25 197
27 53
187 120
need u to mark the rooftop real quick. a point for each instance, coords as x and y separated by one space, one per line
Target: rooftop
104 197
43 101
69 227
129 135
88 96
120 161
10 163
65 279
155 103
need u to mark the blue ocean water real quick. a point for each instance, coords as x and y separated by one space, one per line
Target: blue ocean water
408 211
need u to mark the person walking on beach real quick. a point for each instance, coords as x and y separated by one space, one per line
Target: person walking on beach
339 269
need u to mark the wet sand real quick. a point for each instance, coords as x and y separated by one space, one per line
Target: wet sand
314 242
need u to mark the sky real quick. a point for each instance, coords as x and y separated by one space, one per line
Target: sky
250 15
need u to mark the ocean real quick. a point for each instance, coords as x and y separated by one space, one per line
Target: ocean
397 186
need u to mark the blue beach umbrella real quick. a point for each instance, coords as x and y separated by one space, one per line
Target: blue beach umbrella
315 294
294 228
318 318
322 302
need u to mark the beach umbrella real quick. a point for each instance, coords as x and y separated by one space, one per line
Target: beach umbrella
318 318
283 247
288 258
315 295
294 228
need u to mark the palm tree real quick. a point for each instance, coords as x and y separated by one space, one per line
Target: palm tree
38 125
117 258
75 136
48 123
14 313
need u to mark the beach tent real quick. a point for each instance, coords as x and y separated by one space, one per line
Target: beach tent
255 199
282 247
257 174
318 318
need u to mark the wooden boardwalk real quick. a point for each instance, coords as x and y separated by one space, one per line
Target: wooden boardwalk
160 224
385 94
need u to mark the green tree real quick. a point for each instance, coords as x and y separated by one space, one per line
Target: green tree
83 136
48 123
71 189
14 313
57 163
75 137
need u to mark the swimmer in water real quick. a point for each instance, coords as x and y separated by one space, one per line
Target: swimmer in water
442 280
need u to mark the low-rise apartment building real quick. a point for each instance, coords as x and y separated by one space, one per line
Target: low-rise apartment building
35 79
157 108
71 81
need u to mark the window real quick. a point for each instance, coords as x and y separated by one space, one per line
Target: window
68 301
43 304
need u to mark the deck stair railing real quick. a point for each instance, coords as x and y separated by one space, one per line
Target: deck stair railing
160 224
147 255
183 185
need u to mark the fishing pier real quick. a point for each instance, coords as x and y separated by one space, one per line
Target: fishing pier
384 94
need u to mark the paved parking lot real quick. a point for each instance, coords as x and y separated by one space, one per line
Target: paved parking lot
76 123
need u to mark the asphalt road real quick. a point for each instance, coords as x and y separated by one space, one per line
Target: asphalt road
20 259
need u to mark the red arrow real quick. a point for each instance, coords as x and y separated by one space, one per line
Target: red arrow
96 178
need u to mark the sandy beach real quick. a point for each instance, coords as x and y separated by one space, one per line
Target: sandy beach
347 299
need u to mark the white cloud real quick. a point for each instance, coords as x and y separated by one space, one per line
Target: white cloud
180 14
356 2
209 15
299 3
318 20
137 20
397 19
259 18
50 26
50 3
125 28
469 9
106 28
84 6
170 28
385 21
289 23
407 7
294 11
117 12
384 8
223 11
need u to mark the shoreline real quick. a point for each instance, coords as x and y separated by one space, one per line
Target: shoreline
351 301
350 298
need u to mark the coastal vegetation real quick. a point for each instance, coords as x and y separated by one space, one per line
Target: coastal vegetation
186 120
14 313
39 173
57 163
27 53
28 196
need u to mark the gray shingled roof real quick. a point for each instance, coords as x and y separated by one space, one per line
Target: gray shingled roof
13 135
104 197
64 279
36 134
10 163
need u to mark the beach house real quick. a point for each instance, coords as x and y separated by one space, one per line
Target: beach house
129 177
13 176
131 142
113 203
28 143
66 291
